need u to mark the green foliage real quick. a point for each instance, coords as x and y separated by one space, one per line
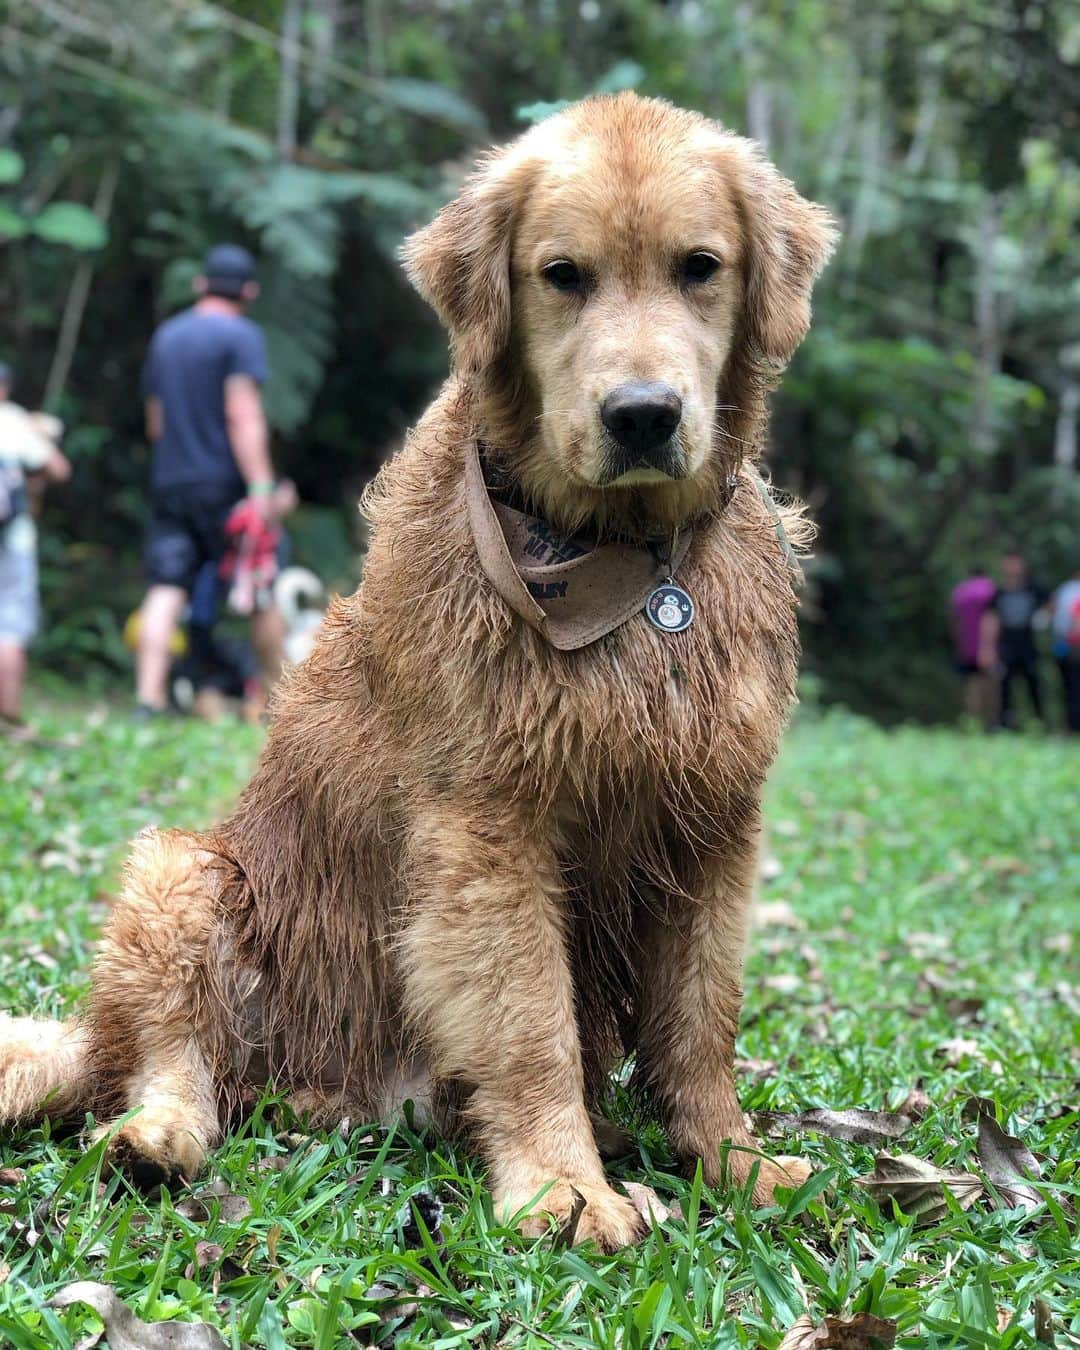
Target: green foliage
71 224
11 166
935 876
919 420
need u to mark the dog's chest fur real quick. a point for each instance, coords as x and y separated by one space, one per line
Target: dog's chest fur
641 724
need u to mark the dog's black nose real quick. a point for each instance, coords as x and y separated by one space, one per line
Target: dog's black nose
642 418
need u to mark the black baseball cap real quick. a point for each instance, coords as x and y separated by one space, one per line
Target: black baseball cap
228 268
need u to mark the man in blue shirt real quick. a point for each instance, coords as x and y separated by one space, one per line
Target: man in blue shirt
205 420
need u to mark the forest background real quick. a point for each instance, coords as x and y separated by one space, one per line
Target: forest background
930 420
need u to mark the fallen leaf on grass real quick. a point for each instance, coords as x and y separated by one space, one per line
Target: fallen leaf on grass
775 914
1044 1323
647 1203
958 1049
861 1332
209 1254
128 1332
1008 1162
917 1103
567 1231
390 1303
917 1186
757 1069
784 983
231 1208
11 1176
853 1126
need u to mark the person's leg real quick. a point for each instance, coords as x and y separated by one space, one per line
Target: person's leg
1070 678
12 677
158 619
1008 718
989 698
1034 684
173 558
18 611
972 694
268 639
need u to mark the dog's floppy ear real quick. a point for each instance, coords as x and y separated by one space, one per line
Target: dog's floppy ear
460 264
789 241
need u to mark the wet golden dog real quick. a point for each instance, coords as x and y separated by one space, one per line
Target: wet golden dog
471 869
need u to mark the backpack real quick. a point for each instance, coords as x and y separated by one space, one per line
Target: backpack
1071 635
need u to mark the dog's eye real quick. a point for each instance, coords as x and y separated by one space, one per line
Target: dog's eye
563 275
699 267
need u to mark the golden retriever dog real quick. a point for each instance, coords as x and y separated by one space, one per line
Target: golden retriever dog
477 867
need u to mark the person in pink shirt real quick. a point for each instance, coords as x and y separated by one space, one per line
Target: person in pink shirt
969 601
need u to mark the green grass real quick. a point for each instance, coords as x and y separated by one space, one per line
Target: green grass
937 879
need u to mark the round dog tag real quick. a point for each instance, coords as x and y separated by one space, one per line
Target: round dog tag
669 608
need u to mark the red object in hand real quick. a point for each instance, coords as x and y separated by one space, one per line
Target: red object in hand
250 561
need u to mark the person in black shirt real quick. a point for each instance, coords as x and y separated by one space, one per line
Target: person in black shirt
204 417
1011 630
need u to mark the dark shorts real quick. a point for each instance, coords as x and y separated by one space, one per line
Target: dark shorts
187 530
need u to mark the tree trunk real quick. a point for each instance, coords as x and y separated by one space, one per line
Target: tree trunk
1065 430
289 82
75 308
987 326
758 95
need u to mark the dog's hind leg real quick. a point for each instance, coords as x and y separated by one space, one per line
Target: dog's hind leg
152 1014
44 1069
487 979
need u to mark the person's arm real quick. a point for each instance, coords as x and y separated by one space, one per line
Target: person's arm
155 419
989 633
57 468
248 435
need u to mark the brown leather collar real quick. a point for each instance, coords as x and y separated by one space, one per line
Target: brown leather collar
571 591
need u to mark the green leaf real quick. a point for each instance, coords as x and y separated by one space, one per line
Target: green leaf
435 102
70 224
12 225
11 166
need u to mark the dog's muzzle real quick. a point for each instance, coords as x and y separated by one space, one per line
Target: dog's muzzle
641 421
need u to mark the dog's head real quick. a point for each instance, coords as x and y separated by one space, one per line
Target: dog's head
621 286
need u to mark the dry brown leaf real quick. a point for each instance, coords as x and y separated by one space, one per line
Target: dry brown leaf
853 1125
1044 1323
647 1203
775 914
955 1051
783 983
917 1186
567 1231
231 1208
276 1162
210 1254
916 1104
861 1332
390 1303
128 1332
11 1176
1008 1162
757 1068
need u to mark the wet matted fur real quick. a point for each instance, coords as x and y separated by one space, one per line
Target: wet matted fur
471 868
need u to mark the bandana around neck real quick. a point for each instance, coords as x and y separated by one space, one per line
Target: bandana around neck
572 591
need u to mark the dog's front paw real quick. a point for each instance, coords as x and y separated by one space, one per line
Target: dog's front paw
156 1148
606 1218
